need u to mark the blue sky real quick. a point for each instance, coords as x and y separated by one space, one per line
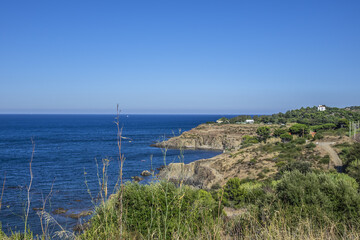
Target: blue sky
178 56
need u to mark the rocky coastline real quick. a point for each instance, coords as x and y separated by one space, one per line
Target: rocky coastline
218 137
236 160
208 173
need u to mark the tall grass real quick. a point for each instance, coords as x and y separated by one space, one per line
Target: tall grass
261 225
158 211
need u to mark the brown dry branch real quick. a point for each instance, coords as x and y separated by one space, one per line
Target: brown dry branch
29 187
41 214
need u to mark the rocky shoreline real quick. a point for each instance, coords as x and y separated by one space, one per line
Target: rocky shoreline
208 173
216 137
236 160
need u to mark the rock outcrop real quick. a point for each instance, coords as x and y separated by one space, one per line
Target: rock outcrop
145 173
210 137
137 178
208 173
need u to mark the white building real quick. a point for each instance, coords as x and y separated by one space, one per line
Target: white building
321 108
250 121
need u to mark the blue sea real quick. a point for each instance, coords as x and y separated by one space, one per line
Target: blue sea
67 148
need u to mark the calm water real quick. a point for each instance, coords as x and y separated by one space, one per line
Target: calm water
66 146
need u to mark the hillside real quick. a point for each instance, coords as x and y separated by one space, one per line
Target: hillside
308 115
211 137
246 158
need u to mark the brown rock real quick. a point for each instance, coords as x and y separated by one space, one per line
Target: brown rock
145 173
80 215
59 211
137 178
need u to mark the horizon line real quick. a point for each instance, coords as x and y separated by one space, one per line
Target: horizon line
114 114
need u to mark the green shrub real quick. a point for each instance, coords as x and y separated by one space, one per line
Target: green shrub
301 166
325 159
318 136
326 126
310 146
156 211
286 137
249 140
279 131
300 141
335 194
299 129
236 193
263 133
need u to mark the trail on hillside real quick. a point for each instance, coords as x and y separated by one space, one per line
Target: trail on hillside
333 155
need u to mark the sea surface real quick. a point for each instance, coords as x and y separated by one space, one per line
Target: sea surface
67 151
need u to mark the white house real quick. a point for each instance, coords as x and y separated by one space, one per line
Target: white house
250 121
321 108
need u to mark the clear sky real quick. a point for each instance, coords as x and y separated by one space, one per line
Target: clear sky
178 56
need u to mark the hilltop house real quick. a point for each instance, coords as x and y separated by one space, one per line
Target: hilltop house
321 108
249 121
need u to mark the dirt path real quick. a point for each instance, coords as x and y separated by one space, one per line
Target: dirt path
333 155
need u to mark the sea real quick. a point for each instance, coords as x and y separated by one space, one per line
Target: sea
68 156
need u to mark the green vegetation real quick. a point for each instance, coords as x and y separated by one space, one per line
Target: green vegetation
350 155
157 211
319 199
241 118
248 140
280 131
286 137
303 199
263 133
309 116
299 129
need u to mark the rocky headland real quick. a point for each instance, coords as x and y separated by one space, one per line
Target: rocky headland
234 161
237 160
211 137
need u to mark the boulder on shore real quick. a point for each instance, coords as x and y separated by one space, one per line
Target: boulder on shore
137 178
59 211
145 173
79 215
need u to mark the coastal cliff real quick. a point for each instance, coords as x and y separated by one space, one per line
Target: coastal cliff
206 173
245 161
233 162
210 137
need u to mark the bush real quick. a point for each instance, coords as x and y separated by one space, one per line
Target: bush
301 166
237 193
285 137
310 146
300 141
280 131
325 159
263 133
334 194
318 136
351 156
326 126
299 129
249 140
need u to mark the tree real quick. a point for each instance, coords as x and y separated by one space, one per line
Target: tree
343 123
279 131
299 129
286 137
263 133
